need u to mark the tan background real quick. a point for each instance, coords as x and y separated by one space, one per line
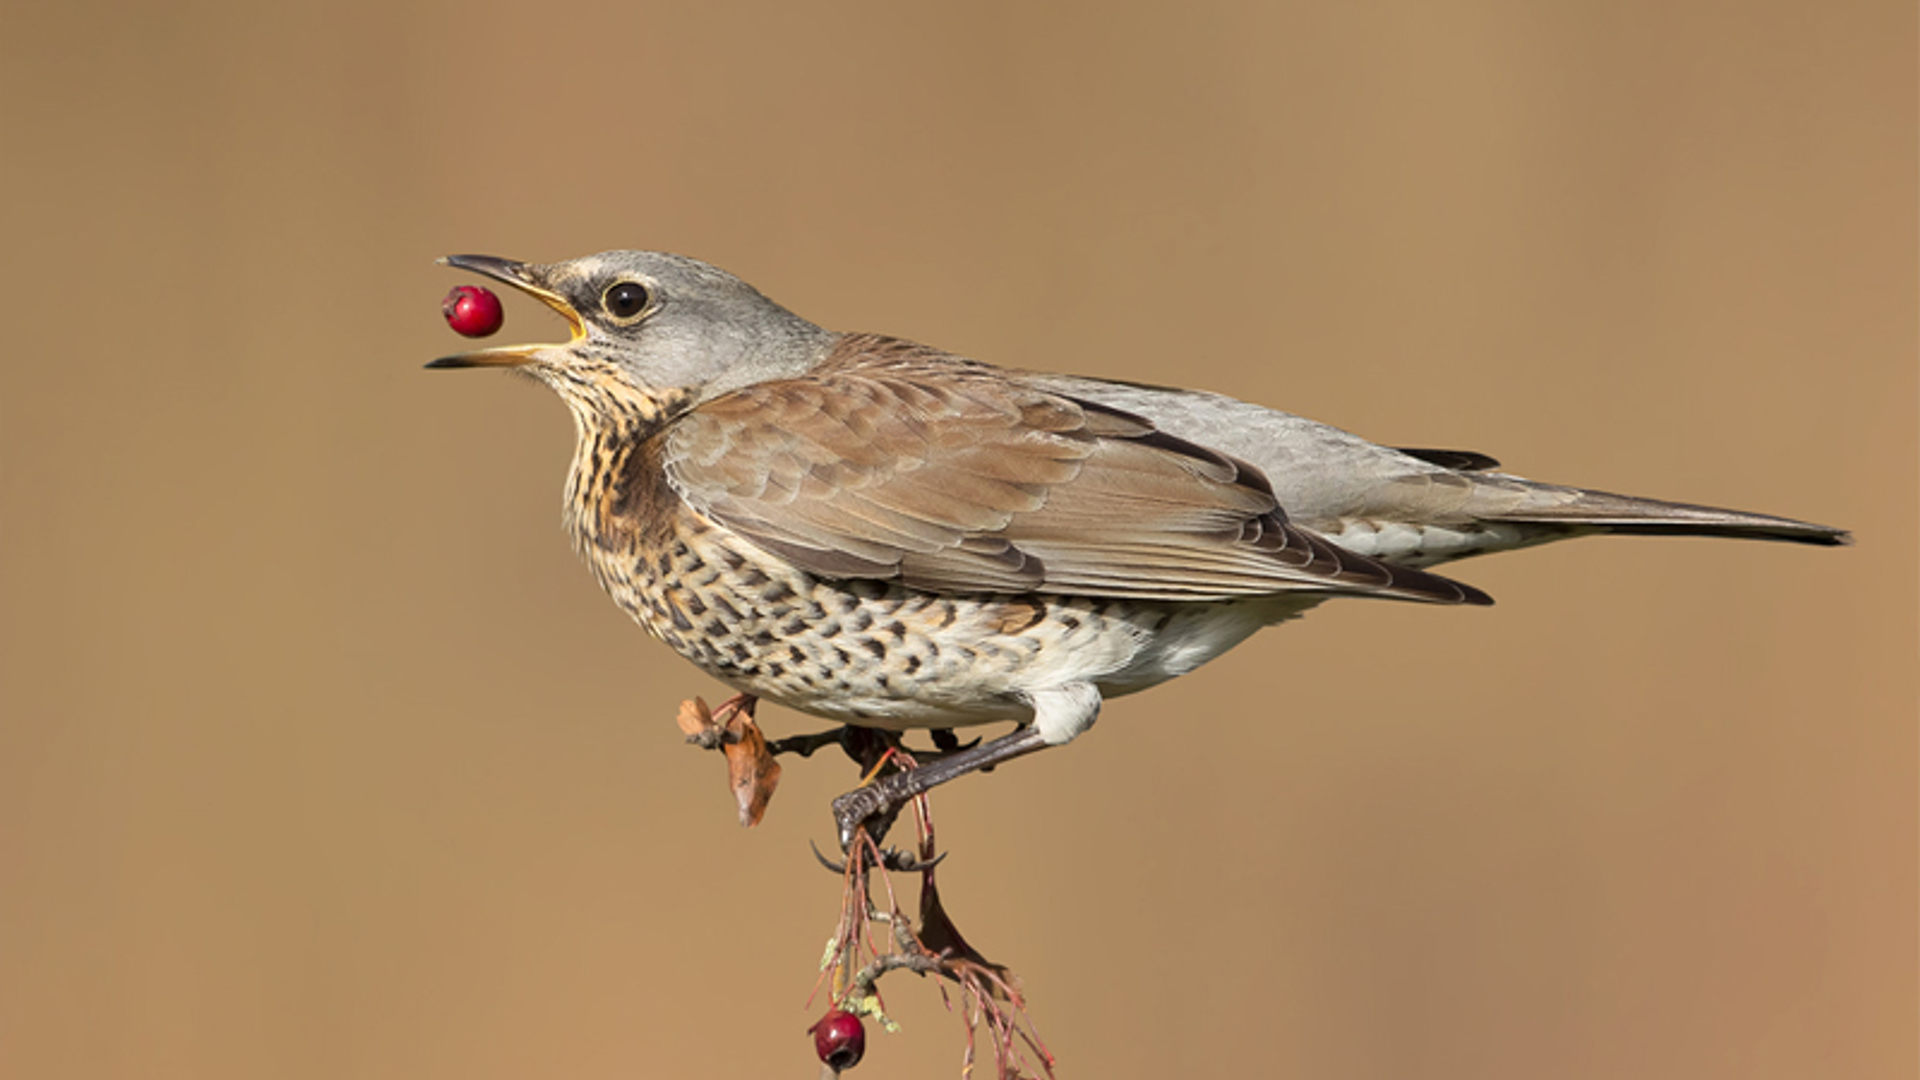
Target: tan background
321 758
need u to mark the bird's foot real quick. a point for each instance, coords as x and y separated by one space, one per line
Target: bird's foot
902 862
873 806
862 744
946 742
805 745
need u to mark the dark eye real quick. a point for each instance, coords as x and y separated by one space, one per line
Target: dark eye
625 300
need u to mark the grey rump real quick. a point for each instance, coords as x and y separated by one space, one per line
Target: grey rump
888 535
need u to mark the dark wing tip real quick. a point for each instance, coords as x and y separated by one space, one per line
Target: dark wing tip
1471 595
1419 585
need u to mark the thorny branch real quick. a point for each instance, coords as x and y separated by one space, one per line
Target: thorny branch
853 964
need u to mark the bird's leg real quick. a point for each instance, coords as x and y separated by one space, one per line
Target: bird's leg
868 747
874 804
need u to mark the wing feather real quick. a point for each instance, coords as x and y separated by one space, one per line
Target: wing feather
907 464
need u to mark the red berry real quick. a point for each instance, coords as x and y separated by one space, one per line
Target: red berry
840 1039
473 311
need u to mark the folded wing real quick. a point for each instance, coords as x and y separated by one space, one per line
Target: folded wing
951 477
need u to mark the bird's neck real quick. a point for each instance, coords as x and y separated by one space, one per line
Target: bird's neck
617 494
615 486
606 404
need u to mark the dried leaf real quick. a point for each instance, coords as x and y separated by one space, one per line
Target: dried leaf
752 773
751 770
695 718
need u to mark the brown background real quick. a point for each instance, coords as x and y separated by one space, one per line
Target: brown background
321 758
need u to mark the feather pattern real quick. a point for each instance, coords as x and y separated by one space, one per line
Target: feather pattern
898 462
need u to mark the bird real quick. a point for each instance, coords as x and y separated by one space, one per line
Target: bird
890 536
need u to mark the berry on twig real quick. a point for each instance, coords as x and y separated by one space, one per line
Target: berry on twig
840 1039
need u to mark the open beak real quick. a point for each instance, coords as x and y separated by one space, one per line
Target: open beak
525 278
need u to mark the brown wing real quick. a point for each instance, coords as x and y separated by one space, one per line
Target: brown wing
953 477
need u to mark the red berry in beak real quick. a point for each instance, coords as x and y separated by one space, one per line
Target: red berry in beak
473 311
840 1039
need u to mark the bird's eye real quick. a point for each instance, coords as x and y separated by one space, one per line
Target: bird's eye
626 299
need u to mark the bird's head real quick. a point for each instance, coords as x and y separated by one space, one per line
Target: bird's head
653 333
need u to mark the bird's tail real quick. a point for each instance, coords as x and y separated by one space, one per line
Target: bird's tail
1447 505
1488 495
1602 511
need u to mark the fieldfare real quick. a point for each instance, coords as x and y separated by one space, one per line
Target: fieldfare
894 537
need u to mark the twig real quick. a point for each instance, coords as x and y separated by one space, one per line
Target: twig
853 965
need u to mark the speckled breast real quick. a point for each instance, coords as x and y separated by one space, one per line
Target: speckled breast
870 652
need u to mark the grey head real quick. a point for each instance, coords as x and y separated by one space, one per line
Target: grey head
647 327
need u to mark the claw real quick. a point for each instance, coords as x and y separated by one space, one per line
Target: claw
836 867
945 741
900 862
